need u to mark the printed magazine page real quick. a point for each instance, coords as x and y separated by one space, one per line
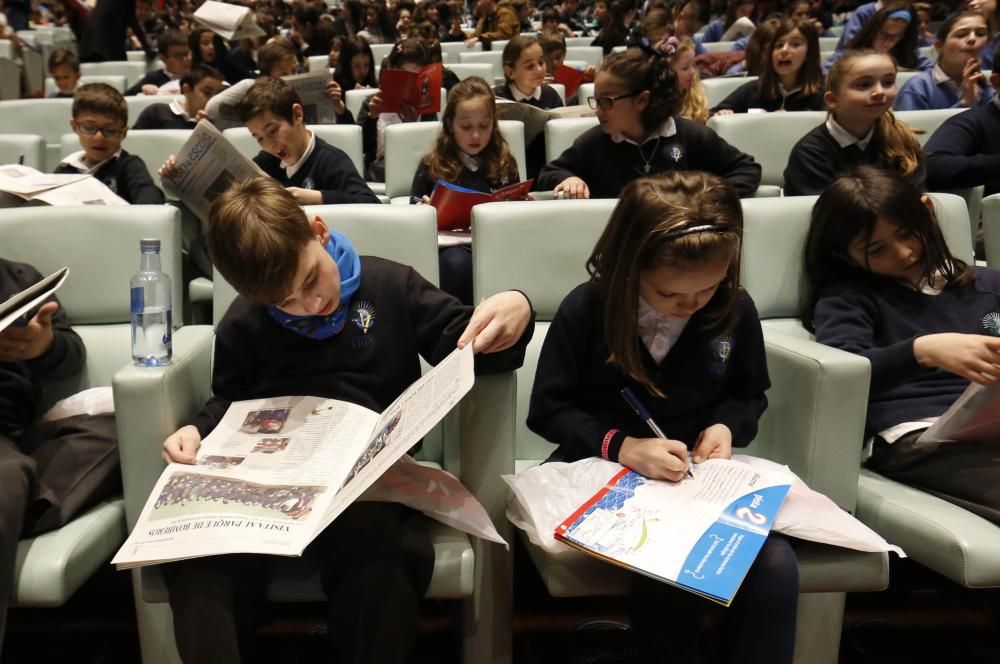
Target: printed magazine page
275 472
534 119
206 165
311 88
228 21
19 309
973 418
701 534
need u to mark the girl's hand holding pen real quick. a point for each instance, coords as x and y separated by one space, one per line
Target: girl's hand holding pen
655 458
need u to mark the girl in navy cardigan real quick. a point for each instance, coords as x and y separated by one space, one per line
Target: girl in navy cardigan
664 315
883 285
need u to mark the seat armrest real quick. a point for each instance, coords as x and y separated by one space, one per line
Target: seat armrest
991 229
815 418
153 402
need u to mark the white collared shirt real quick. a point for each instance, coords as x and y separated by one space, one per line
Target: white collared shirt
941 78
292 169
536 94
177 108
76 161
845 138
659 333
665 130
468 161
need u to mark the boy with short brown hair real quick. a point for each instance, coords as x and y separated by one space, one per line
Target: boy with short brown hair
64 68
315 318
100 121
176 57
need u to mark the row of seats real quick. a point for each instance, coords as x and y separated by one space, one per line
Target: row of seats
814 422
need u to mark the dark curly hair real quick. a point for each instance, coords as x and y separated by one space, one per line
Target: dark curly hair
644 70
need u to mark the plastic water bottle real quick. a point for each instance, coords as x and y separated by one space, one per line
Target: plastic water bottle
152 324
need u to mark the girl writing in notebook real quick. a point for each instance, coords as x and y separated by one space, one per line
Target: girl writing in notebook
860 128
641 133
790 79
883 285
471 152
664 315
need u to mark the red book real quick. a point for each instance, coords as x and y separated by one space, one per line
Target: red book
454 203
421 90
572 78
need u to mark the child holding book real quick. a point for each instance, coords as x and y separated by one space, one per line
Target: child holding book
294 329
883 285
472 153
664 315
637 100
791 78
409 55
64 68
100 121
198 86
861 128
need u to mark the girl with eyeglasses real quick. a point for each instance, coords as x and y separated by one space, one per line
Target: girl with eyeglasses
641 133
663 314
891 30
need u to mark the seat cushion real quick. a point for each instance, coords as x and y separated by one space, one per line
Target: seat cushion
50 567
937 534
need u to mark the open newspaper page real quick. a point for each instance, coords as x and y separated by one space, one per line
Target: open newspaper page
534 119
973 418
228 21
86 191
23 184
311 88
19 308
275 472
701 534
206 166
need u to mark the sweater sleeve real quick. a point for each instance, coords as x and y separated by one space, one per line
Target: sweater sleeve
369 133
556 411
341 182
423 183
954 159
847 321
136 185
713 154
65 357
809 169
738 101
571 163
747 380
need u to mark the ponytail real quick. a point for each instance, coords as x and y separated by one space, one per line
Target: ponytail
648 69
899 144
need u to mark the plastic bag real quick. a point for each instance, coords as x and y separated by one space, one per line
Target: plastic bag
94 401
543 496
436 493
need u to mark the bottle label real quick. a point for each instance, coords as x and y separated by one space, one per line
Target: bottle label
138 299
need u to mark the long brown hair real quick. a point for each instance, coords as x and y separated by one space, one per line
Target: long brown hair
810 75
899 146
443 161
642 234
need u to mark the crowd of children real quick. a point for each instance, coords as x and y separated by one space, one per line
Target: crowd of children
663 285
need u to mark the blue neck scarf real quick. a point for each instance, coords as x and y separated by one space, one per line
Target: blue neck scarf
323 327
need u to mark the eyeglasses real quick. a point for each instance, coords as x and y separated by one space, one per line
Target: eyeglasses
606 102
108 133
177 55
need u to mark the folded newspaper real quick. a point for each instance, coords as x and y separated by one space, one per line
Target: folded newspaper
311 88
534 118
973 418
276 472
228 21
207 165
23 185
20 307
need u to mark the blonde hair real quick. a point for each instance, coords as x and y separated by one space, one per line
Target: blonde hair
256 233
694 103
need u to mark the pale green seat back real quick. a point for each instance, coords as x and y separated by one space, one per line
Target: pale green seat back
464 70
493 57
133 71
114 80
561 132
592 55
29 146
767 137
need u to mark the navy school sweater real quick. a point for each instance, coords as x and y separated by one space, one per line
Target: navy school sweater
408 318
817 160
127 176
607 166
708 378
748 96
327 170
160 116
880 323
965 151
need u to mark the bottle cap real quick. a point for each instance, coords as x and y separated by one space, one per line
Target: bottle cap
148 245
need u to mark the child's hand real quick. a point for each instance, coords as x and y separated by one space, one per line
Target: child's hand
971 76
306 196
715 442
18 344
471 41
655 458
375 106
150 89
572 187
336 95
724 111
423 200
182 445
497 323
590 72
975 357
201 115
407 112
168 171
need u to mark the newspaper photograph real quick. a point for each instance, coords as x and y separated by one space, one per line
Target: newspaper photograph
206 166
275 472
228 21
973 418
311 88
23 184
534 119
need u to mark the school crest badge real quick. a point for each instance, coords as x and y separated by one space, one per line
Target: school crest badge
363 316
676 153
721 351
991 323
308 183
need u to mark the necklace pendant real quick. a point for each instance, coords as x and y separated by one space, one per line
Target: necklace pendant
646 168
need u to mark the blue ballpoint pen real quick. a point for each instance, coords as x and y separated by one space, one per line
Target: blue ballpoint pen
644 415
